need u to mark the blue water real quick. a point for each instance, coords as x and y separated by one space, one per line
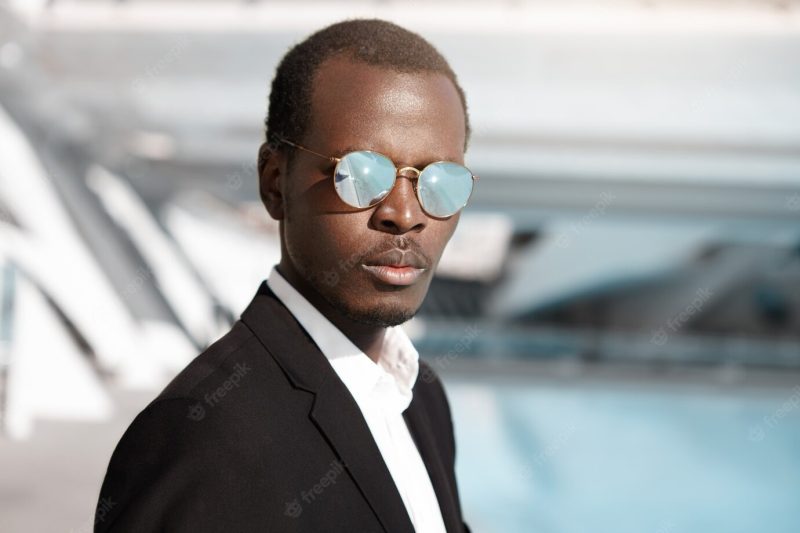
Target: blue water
621 458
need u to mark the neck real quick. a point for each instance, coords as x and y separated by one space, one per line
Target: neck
367 338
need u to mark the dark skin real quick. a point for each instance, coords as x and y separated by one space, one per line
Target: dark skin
414 119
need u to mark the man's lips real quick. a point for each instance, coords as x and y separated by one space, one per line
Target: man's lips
404 275
396 267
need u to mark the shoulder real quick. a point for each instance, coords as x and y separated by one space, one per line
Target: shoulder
168 421
219 357
233 370
198 419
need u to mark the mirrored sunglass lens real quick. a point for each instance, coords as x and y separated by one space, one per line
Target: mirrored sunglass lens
362 179
444 188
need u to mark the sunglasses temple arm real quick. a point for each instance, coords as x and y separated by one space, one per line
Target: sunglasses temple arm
329 158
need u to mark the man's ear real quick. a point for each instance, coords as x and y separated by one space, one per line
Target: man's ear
270 178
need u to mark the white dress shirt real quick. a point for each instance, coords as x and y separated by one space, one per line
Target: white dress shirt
382 392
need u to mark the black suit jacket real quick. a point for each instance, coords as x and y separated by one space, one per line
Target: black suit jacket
258 433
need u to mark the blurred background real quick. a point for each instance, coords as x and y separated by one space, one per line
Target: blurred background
617 318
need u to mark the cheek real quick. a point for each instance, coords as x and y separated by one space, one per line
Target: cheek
444 231
319 242
304 227
306 237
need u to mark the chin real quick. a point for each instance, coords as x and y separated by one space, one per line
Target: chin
381 315
382 320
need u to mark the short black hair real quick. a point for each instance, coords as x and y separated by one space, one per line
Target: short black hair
372 41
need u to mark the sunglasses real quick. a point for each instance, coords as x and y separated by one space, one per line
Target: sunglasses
365 178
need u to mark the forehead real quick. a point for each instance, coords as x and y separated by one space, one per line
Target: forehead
400 113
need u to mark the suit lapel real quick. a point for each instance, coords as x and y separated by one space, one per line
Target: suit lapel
422 431
334 411
340 420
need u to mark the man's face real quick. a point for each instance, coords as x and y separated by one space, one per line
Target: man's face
414 119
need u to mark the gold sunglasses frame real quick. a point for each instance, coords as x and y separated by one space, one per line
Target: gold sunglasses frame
398 172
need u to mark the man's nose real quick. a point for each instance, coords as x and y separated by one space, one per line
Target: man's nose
400 212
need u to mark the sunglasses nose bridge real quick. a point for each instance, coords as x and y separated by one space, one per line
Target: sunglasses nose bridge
405 171
411 173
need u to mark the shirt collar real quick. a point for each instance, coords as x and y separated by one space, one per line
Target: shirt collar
390 381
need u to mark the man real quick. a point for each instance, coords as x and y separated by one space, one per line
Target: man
314 413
